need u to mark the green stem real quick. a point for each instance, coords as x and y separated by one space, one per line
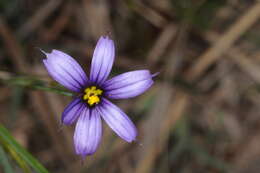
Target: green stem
32 83
55 90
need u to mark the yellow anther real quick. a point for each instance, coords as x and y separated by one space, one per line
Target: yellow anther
93 100
99 92
92 95
85 97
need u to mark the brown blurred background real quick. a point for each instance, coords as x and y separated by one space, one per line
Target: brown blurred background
202 114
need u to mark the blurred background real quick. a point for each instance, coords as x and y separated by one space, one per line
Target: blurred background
201 115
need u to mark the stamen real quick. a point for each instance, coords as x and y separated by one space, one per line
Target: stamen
92 95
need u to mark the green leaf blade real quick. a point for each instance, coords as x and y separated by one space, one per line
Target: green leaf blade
6 137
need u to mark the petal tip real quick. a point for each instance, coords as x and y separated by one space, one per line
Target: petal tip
131 139
155 74
102 39
42 51
106 38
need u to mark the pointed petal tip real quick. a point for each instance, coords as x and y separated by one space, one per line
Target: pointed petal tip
58 52
131 140
102 38
65 70
105 37
42 51
84 155
53 51
103 59
155 74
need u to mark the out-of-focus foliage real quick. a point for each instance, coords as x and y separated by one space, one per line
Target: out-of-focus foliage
18 153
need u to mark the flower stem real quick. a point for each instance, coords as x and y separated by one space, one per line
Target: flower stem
31 82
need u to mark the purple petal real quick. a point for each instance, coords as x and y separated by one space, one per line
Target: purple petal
118 120
103 59
72 111
88 132
65 70
128 84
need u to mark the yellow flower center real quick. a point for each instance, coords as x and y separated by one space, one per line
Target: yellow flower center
92 95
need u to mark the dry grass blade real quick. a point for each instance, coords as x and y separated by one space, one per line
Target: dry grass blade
157 118
149 14
225 41
161 43
102 23
36 20
245 63
239 58
59 25
11 45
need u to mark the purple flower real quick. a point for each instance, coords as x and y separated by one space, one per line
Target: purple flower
92 101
